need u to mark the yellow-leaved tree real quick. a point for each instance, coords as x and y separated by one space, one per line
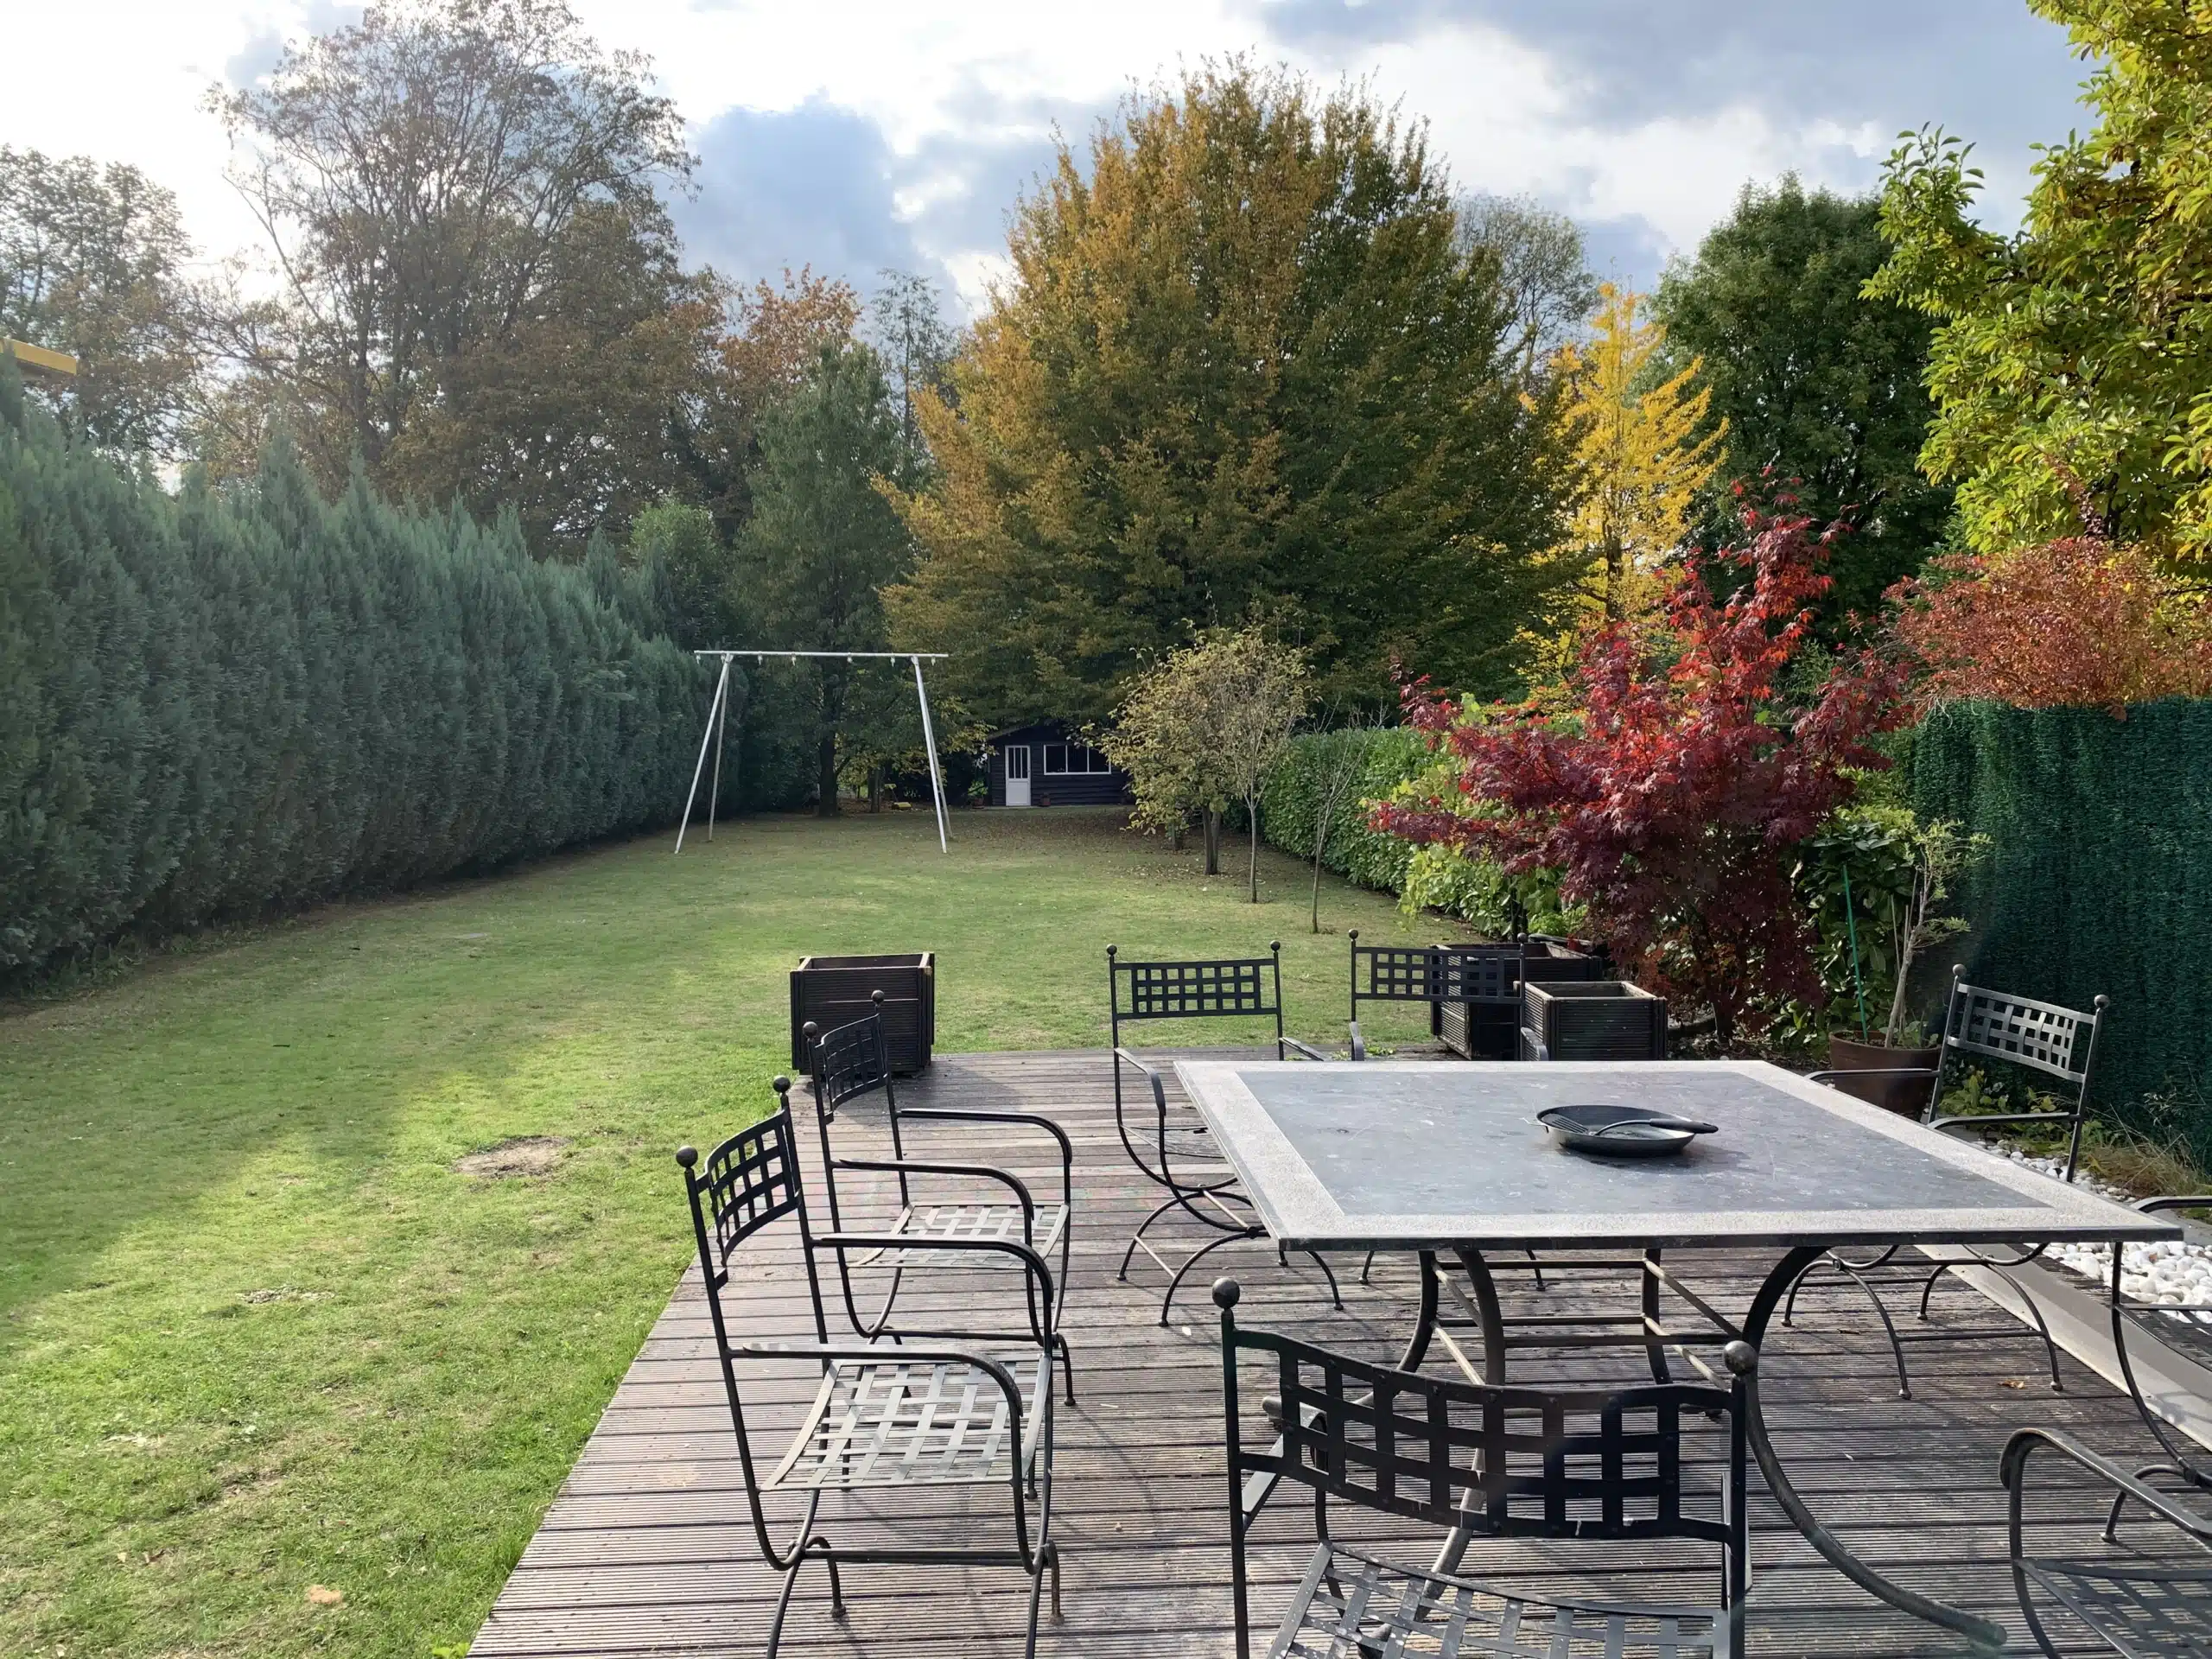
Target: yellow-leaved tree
1644 452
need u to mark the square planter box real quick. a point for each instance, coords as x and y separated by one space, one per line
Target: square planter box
833 991
1594 1020
1491 1030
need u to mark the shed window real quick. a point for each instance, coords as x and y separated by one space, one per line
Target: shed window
1063 759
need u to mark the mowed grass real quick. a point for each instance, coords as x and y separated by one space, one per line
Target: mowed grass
256 1335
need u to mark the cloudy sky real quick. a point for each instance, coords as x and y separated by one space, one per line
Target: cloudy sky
854 137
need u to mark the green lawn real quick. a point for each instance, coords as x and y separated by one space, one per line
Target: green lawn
256 1335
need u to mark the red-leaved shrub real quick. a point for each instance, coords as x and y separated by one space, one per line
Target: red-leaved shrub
1671 795
2080 622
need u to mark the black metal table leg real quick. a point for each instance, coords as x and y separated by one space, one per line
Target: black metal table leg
1424 1321
1977 1630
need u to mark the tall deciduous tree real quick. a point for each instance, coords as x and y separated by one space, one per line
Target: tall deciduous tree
823 539
1818 383
1541 266
1645 450
481 294
2072 381
92 262
1239 367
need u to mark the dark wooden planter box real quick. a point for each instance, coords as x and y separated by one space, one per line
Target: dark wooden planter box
1491 1031
833 991
1593 1019
1907 1096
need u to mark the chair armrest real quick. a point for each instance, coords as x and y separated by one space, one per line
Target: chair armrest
1159 1093
1542 1049
1306 1049
1873 1072
1984 1119
979 1172
833 1351
2012 1469
1358 1043
963 1114
2175 1201
1033 1264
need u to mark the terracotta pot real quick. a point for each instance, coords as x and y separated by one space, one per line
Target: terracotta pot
1907 1096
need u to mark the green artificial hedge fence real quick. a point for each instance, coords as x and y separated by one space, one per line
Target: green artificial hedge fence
2098 879
229 702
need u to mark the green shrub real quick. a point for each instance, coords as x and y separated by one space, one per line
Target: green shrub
228 701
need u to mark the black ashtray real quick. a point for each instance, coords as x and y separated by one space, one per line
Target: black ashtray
1622 1131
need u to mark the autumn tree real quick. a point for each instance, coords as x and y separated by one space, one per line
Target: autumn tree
1672 800
1239 367
1815 382
823 541
479 292
2078 622
2068 369
93 261
1644 451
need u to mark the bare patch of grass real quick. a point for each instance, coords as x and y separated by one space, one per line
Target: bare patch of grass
520 1156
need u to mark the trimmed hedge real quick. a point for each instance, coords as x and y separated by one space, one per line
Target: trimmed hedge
2099 880
223 703
1290 802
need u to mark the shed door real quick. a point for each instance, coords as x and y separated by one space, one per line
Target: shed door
1017 774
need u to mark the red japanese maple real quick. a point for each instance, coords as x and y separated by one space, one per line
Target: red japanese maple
1673 799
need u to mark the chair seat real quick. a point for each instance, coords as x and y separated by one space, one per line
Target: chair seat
930 1221
894 1422
1351 1604
2141 1608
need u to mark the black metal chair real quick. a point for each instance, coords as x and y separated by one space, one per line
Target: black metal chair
1484 1461
855 1060
2046 1041
1473 990
1178 1155
926 1414
2143 1604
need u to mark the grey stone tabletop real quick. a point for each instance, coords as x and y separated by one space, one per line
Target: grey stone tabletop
1395 1155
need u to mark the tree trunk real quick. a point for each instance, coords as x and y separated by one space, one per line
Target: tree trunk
1252 865
1320 843
826 775
876 788
1213 841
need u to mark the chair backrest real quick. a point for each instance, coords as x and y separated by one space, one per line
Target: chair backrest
1226 988
849 1061
749 1180
2045 1037
1589 1463
1488 974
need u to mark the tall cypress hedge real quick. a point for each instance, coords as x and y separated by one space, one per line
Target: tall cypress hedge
2099 880
223 701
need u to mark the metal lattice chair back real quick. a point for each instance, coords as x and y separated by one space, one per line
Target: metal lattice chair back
2042 1036
751 1180
1186 990
1503 1461
848 1062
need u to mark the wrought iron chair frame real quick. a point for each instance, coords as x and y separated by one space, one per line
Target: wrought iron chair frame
753 1179
1487 974
2109 1596
1233 987
853 1061
1385 1439
1980 1024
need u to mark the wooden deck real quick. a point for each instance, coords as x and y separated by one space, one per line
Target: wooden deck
648 1549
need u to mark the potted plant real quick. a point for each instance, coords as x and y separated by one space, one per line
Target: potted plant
1898 1063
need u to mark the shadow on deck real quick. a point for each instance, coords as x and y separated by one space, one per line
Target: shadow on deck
648 1549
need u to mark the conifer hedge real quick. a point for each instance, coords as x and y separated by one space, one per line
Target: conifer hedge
2098 879
1290 802
225 701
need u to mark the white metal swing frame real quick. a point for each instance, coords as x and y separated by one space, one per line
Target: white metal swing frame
718 726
